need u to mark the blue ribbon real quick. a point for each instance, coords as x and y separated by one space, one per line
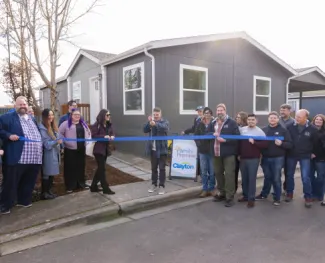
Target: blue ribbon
164 138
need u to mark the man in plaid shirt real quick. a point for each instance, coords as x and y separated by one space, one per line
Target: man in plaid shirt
22 158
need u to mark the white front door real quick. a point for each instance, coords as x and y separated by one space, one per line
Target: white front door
94 92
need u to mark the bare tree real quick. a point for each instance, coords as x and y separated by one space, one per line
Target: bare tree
36 24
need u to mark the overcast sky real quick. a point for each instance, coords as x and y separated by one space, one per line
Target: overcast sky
292 29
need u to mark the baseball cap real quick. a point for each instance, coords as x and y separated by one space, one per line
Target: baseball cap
199 108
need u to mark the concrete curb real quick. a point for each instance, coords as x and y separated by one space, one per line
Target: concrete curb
158 200
106 212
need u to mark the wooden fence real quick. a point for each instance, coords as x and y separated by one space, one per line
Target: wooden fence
84 110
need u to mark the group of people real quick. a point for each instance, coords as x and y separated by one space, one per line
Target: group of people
30 148
221 159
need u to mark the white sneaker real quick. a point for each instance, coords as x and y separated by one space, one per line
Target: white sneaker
26 206
161 190
152 189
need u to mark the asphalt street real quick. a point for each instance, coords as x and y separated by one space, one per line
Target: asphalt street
206 232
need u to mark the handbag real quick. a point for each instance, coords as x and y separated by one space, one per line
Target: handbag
90 149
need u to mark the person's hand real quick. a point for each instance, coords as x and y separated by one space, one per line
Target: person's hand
251 140
107 137
216 134
278 142
313 156
152 123
1 152
112 138
13 138
182 133
221 139
238 158
150 118
60 141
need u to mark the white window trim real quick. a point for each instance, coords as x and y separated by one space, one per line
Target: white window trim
297 102
79 81
135 112
265 96
181 90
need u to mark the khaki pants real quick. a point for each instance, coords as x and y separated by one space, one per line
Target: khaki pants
224 169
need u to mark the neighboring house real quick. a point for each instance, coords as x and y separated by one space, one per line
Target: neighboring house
313 100
180 74
82 82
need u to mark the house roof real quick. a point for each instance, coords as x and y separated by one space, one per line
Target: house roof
305 71
198 39
95 56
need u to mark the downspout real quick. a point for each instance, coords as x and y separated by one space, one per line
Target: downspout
153 77
287 87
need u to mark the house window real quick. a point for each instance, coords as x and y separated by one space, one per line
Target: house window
262 95
133 89
76 91
193 88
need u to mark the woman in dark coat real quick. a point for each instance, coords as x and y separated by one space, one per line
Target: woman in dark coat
102 128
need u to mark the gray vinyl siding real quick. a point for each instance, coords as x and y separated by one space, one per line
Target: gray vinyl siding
128 125
83 71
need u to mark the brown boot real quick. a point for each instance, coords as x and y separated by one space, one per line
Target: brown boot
289 198
251 204
203 194
214 192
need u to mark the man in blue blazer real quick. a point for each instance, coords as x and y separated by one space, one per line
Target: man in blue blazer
23 158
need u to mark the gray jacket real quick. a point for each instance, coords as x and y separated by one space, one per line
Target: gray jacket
51 153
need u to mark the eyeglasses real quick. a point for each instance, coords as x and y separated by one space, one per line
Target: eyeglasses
207 113
108 115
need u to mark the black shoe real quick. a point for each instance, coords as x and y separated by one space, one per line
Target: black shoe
108 192
4 211
47 196
94 189
219 198
229 203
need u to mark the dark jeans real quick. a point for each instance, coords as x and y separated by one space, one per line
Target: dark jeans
74 168
100 175
19 185
317 177
158 162
305 175
237 173
207 172
248 169
272 169
285 174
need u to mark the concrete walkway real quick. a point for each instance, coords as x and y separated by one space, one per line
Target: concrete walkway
77 207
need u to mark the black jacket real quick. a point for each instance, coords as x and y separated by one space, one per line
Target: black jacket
204 146
197 120
230 147
319 145
303 141
273 150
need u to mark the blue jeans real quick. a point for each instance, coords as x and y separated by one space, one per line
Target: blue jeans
272 168
305 175
248 169
317 178
207 172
